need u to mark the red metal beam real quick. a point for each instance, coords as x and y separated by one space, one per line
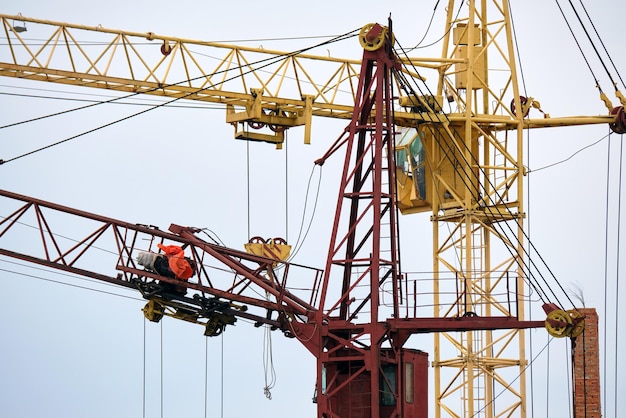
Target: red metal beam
120 242
469 323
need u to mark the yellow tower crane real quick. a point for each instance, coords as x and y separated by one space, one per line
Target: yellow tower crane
463 165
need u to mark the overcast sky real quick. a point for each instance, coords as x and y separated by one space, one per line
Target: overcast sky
72 351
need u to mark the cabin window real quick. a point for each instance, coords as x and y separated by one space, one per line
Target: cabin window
388 385
410 157
409 383
418 164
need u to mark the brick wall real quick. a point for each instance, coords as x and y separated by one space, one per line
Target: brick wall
587 368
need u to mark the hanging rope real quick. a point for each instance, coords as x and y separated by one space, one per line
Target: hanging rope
161 342
286 188
248 184
572 381
606 262
530 313
206 374
548 380
617 251
222 378
268 361
143 387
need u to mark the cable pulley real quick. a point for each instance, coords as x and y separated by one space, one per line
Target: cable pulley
523 100
372 36
619 126
153 311
561 323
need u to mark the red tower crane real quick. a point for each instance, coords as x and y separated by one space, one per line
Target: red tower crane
363 367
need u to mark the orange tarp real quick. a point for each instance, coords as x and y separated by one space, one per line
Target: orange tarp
176 260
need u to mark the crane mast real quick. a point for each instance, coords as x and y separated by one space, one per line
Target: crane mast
464 167
478 230
353 362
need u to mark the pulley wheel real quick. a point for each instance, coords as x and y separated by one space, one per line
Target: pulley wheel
370 41
523 100
558 323
213 328
619 126
578 323
153 311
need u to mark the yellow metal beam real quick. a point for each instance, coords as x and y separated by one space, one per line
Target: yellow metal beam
278 84
259 85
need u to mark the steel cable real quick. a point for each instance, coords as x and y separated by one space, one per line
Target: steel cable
477 198
595 79
266 62
457 135
603 45
593 45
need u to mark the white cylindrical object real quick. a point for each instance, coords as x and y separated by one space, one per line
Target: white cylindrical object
147 259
